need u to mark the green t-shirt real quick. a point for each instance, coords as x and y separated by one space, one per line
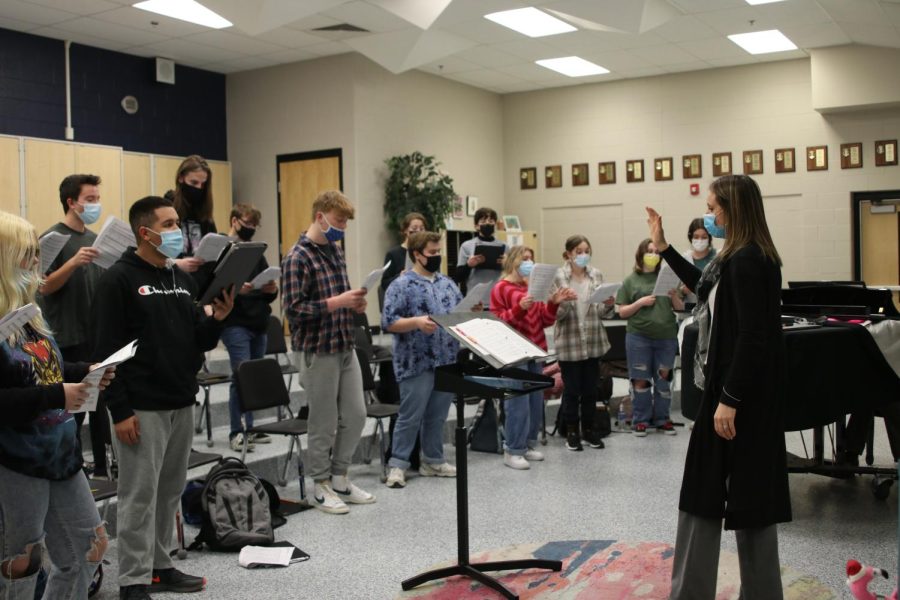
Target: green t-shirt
657 321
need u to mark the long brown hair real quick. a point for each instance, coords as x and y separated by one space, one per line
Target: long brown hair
575 241
642 249
742 203
192 163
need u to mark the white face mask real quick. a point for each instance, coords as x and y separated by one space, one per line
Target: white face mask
700 244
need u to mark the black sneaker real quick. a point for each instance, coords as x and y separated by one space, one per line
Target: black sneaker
593 439
134 592
173 580
573 440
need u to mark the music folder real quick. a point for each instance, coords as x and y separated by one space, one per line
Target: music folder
233 269
490 339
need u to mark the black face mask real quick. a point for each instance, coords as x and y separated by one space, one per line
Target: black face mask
432 263
195 197
486 230
245 233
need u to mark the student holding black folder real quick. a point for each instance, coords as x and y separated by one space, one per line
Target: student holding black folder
472 266
144 296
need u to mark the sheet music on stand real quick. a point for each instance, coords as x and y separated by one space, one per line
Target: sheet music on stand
497 343
114 238
16 320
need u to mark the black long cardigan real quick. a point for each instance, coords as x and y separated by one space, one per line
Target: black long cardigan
743 480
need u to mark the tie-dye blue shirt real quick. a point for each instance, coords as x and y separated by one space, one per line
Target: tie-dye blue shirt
412 295
45 446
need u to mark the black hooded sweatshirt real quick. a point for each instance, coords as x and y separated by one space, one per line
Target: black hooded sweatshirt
136 300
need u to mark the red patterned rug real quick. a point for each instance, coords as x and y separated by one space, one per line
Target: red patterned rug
605 569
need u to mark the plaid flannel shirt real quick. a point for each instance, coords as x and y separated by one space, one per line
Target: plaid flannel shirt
310 274
573 339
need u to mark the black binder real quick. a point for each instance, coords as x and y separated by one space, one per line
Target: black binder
233 269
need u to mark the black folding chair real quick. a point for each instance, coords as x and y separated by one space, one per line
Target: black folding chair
277 347
374 409
261 386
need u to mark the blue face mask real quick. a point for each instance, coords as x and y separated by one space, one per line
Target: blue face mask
90 214
332 234
172 243
526 267
582 260
709 222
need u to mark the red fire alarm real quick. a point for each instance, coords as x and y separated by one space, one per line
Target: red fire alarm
695 189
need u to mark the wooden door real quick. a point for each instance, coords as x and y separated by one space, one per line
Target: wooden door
879 235
301 177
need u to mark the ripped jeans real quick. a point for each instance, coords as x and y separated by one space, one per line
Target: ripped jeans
58 515
646 358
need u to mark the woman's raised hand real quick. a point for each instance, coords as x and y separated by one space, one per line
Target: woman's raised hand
657 235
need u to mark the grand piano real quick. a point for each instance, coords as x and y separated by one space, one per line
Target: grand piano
831 371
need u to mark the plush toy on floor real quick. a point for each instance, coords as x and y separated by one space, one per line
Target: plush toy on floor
858 578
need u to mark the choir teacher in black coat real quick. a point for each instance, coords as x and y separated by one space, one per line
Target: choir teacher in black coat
735 468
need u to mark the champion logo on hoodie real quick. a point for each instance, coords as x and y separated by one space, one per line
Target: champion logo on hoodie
149 290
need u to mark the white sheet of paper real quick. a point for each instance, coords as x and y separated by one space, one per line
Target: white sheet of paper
540 282
270 274
17 319
114 238
603 292
124 353
254 556
495 338
666 280
51 244
373 278
479 293
211 246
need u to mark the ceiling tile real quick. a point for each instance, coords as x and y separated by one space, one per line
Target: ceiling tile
421 14
718 47
367 16
234 42
485 77
644 72
15 25
619 61
668 54
816 35
881 34
795 12
892 11
328 48
697 65
488 56
731 61
735 20
511 88
683 29
34 13
853 11
696 6
483 31
289 38
245 63
190 53
448 65
580 42
776 56
141 19
80 7
79 38
129 36
529 49
532 72
312 22
290 56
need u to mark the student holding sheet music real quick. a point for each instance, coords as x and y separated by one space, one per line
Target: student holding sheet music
244 334
735 467
68 289
398 256
650 341
511 302
193 200
319 306
580 340
143 296
45 499
420 346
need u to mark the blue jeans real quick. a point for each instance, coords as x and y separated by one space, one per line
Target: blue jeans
242 344
646 358
61 516
524 417
423 412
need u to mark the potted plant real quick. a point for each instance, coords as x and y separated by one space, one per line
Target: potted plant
415 184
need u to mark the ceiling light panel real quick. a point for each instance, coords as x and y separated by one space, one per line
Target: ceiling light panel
572 66
185 10
530 21
763 42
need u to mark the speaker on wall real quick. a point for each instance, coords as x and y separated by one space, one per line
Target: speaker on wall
165 70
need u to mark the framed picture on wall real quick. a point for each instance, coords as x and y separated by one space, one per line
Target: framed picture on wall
458 211
512 223
753 162
606 172
662 169
691 166
528 178
580 174
721 162
634 170
471 205
817 158
851 156
885 153
553 176
785 160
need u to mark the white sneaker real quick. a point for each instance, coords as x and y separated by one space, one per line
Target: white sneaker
532 455
348 492
441 470
396 478
237 443
326 500
514 461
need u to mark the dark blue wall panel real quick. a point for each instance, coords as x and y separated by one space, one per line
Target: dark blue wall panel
185 118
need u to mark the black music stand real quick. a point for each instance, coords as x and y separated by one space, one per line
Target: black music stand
453 378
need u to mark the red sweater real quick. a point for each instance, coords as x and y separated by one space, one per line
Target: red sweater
505 298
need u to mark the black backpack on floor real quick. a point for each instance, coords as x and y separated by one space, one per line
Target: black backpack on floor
236 509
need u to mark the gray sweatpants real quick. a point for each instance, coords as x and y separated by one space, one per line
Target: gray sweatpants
152 474
337 410
696 562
